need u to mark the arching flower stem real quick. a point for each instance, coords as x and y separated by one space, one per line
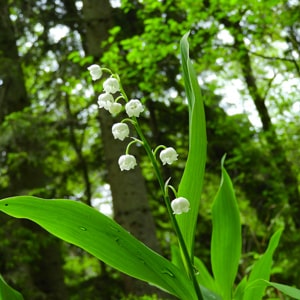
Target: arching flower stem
107 70
133 142
157 148
187 259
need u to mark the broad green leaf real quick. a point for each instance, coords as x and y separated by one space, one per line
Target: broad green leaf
203 275
191 182
176 257
287 290
7 292
99 235
226 236
262 270
209 295
205 280
239 291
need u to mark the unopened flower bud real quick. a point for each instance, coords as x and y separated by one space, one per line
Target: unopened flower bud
180 205
111 85
133 108
95 71
127 162
120 131
168 155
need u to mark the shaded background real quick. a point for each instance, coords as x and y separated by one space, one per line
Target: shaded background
55 143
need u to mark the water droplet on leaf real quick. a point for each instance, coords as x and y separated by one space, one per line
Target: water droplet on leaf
83 228
115 228
140 257
168 272
196 271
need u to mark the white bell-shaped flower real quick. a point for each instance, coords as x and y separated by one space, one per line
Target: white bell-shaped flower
168 155
105 100
111 85
95 71
120 131
133 108
127 162
180 205
115 108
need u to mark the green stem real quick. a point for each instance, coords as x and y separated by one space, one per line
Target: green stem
188 262
187 259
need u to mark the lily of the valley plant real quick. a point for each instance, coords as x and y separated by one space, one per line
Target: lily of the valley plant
185 276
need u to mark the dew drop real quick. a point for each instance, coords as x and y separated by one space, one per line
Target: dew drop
196 271
83 228
141 259
168 272
115 228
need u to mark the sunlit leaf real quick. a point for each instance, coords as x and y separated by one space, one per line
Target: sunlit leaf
192 180
287 290
239 291
226 241
262 270
7 292
99 235
203 275
262 284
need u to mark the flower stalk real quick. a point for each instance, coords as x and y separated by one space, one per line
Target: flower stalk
187 259
127 162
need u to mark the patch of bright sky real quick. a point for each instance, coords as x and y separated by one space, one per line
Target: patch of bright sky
225 37
233 102
58 32
78 5
104 203
115 3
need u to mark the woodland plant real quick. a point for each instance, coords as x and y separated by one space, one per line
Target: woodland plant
185 276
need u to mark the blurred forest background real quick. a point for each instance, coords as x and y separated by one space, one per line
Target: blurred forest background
55 143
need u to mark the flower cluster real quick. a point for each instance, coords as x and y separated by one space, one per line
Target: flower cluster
120 131
133 109
107 101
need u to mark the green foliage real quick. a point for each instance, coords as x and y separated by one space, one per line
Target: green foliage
195 165
226 241
261 270
102 237
99 235
7 292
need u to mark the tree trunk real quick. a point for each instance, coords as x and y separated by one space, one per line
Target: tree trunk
131 207
13 98
46 271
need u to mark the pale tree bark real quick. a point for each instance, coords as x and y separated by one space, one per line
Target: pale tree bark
45 274
131 207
